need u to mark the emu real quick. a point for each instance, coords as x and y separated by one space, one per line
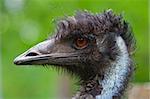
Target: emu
97 48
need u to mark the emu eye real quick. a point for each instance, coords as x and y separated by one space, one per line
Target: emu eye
81 43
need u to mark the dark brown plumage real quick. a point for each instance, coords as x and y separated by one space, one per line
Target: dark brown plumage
96 48
98 24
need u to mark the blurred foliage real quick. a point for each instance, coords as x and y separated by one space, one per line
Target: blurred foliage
24 23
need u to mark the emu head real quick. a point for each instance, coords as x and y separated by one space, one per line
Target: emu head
84 44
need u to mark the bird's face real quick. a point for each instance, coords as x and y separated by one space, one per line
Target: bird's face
83 45
77 52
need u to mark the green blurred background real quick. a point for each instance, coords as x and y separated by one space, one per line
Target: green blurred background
24 23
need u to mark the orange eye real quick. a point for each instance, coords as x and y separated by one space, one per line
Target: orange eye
81 42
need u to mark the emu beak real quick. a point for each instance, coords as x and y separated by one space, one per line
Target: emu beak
43 53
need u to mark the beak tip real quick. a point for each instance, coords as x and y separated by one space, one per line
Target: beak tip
16 62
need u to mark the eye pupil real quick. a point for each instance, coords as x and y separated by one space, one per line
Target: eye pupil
81 42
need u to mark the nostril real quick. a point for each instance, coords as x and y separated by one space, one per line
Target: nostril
32 54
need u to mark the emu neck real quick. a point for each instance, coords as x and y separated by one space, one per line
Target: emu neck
113 82
117 75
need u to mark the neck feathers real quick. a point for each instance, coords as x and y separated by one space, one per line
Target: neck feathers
117 75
